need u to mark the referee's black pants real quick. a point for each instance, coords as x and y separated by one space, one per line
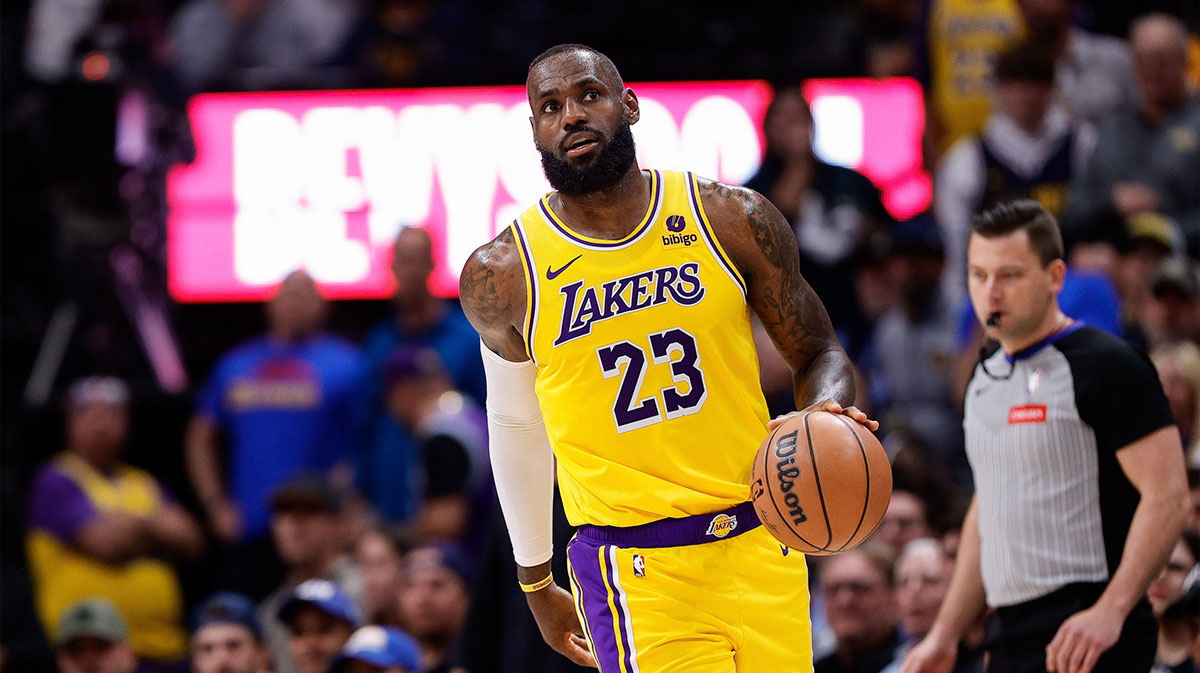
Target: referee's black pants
1018 634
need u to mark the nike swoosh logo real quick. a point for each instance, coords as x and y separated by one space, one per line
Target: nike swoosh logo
784 550
551 274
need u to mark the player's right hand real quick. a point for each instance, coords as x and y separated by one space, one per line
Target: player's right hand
931 655
554 610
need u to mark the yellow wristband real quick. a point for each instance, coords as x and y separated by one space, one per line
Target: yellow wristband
538 585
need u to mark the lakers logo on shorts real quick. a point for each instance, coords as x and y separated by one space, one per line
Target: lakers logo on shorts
721 525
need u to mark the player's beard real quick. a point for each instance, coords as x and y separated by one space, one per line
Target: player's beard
607 169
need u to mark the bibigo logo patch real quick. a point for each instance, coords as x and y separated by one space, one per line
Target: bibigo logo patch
676 235
721 525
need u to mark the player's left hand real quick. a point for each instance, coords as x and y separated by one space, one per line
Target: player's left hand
1082 639
832 406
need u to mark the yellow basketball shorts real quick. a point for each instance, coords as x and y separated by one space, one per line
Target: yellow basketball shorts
703 594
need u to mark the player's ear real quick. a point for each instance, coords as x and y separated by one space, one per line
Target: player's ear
633 110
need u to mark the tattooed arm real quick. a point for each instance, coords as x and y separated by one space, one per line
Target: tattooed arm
492 292
761 243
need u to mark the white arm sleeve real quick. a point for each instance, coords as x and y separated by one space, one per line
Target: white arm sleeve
522 462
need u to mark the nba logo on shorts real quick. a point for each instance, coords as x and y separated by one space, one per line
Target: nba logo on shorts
639 565
721 525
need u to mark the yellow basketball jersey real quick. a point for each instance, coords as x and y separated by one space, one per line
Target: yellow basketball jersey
964 38
647 375
145 590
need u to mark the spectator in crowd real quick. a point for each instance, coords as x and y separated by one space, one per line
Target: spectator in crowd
413 43
884 28
283 404
450 433
1145 157
832 209
904 521
386 468
379 649
1093 73
1146 240
1172 312
922 577
955 47
1178 366
309 534
92 638
861 609
1029 148
99 527
913 351
252 45
434 601
320 617
379 554
1175 597
226 637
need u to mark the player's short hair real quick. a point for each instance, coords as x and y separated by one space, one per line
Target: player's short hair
1007 217
606 65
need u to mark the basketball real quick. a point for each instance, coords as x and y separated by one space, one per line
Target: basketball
821 483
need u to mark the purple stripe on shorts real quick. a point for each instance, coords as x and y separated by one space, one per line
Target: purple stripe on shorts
593 588
682 532
622 618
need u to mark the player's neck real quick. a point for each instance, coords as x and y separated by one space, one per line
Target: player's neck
610 213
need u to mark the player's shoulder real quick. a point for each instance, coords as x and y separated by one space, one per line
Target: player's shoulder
491 288
724 202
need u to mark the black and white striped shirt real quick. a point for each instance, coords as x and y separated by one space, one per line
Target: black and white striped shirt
1054 504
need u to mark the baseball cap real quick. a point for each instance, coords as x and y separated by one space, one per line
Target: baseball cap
410 362
444 555
227 607
326 597
1155 227
94 617
106 389
382 646
307 489
1175 274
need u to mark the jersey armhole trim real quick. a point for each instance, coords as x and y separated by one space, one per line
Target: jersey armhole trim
710 237
531 288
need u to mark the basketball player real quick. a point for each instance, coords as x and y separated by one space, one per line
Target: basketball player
1079 475
617 309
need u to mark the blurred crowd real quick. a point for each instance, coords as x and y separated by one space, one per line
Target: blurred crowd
321 498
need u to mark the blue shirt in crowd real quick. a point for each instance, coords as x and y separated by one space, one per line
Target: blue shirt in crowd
283 408
385 468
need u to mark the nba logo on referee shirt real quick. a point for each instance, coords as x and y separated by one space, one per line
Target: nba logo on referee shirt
721 525
1032 385
639 565
1029 413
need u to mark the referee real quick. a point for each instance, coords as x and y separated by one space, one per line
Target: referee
1079 474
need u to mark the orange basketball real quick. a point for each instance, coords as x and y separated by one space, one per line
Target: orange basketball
821 483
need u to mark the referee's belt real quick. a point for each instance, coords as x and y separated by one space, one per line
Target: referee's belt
689 530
